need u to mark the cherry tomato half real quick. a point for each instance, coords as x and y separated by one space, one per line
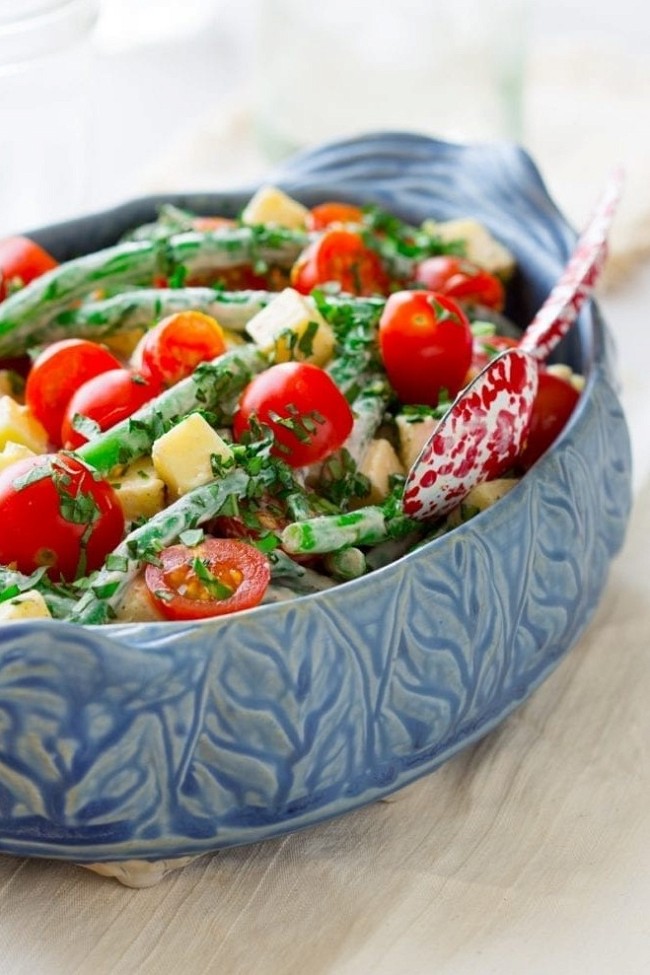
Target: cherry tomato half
55 512
326 214
57 374
173 348
216 577
106 399
340 256
21 261
460 279
426 345
308 414
554 404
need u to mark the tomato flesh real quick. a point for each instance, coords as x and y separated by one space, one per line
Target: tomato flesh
426 345
340 257
173 348
57 374
462 280
233 576
21 261
67 519
308 414
333 212
554 404
105 400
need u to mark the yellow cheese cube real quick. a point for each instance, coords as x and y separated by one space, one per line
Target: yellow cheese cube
140 491
413 433
566 373
271 205
480 245
379 462
123 344
28 605
480 497
182 456
292 328
135 606
19 426
11 452
232 339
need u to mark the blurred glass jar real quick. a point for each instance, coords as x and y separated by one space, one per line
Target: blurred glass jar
44 104
338 68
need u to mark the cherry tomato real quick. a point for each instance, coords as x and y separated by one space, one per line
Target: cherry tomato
55 512
426 345
173 348
21 260
308 414
340 256
57 374
462 280
106 399
484 349
325 214
554 404
216 577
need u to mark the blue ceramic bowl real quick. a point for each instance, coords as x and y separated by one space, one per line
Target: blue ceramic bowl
161 740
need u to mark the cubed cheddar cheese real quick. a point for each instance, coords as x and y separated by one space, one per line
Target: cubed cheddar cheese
378 464
182 457
28 605
11 452
123 344
480 245
290 327
140 491
135 606
413 433
18 425
562 371
272 206
481 496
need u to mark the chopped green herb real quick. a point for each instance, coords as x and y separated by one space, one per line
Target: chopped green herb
117 563
214 585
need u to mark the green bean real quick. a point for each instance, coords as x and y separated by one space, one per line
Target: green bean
368 409
327 533
300 578
97 605
346 563
211 387
29 311
141 307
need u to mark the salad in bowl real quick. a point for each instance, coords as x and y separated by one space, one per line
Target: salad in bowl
158 465
219 618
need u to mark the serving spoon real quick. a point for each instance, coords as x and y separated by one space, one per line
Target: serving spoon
484 430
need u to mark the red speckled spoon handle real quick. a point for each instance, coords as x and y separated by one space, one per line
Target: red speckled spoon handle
560 310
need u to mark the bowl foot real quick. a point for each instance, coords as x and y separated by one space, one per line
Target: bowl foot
138 873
